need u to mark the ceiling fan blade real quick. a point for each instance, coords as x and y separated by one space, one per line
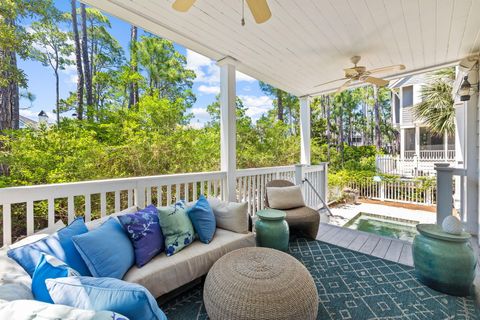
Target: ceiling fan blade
397 67
260 10
344 86
336 80
376 81
183 5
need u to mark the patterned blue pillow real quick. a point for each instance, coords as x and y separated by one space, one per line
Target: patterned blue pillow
143 229
176 227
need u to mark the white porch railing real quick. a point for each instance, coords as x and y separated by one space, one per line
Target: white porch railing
33 207
412 167
403 190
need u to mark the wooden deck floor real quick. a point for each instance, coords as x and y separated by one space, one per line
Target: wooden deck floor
390 249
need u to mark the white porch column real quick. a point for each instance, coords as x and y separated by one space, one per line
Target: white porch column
402 143
228 125
444 193
471 157
445 146
305 157
417 141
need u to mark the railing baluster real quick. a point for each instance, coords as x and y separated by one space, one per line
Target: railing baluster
130 198
186 186
177 192
71 209
194 191
88 208
103 204
202 188
51 212
169 194
149 196
117 201
209 188
29 218
7 224
159 196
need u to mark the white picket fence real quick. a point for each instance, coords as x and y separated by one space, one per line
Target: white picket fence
102 197
402 190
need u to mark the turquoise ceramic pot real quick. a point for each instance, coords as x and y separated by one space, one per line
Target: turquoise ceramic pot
444 262
272 230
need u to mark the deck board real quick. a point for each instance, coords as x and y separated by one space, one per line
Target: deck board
370 244
406 257
358 242
394 251
381 248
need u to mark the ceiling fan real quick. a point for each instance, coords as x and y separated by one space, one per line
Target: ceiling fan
360 73
259 8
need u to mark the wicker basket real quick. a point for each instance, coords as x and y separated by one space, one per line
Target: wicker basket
260 283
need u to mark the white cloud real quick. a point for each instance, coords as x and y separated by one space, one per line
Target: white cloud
200 112
196 125
209 89
256 105
207 70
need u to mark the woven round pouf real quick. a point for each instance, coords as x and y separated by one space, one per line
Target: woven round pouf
259 283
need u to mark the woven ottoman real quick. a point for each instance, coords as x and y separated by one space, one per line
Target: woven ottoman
259 283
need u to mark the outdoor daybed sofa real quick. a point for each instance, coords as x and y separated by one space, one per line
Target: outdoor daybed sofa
160 276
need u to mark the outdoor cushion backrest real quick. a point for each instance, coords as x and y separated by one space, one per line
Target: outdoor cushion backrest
277 184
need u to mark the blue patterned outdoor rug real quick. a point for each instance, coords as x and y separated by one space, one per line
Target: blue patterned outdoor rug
353 285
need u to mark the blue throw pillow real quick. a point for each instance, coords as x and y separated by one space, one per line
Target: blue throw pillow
106 250
48 267
143 229
59 245
203 219
130 299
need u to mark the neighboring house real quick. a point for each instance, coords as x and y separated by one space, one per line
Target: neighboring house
25 122
416 141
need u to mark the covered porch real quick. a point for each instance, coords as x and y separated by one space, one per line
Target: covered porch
305 43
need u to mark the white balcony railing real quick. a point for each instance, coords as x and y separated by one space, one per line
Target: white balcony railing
414 166
30 208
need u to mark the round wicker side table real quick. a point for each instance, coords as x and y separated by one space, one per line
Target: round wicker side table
259 283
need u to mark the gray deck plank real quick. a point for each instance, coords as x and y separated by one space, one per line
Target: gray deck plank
330 233
381 248
406 257
337 239
394 251
323 229
370 244
358 242
348 238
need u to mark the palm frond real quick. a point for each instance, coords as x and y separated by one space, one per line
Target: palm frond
436 109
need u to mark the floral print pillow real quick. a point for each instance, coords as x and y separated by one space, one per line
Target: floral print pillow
143 229
176 227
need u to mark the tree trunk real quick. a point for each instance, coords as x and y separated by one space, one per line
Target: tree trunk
329 129
78 58
376 110
57 96
280 105
9 95
133 99
86 63
340 130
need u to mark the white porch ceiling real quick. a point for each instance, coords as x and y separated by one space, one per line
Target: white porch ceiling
307 42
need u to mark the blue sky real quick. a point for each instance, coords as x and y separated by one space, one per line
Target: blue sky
41 81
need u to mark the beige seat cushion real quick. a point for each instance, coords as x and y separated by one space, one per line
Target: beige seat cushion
164 274
285 197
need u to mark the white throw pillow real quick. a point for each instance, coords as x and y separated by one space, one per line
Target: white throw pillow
285 197
232 216
97 222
